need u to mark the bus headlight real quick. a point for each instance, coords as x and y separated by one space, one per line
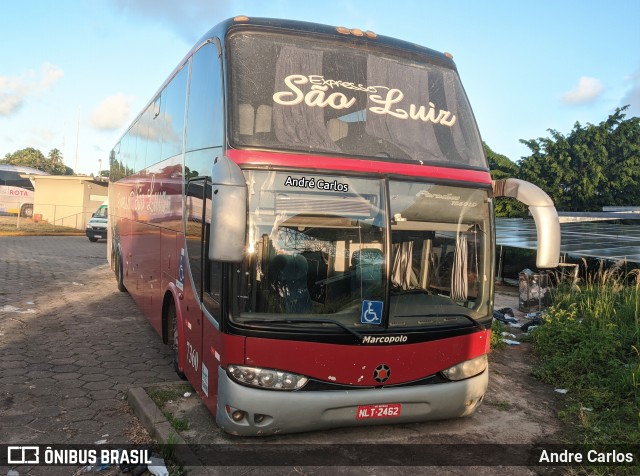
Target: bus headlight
266 378
466 369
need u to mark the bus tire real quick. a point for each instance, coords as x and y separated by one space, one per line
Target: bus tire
120 274
174 340
26 211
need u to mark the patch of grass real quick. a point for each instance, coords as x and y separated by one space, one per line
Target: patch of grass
178 424
497 341
167 451
590 345
503 405
162 395
29 227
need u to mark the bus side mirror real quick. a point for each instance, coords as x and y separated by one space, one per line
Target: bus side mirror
228 211
544 214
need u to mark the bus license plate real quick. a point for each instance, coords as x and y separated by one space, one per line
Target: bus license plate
387 410
97 236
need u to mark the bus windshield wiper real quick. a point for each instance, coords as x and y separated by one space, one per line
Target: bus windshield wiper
475 323
304 321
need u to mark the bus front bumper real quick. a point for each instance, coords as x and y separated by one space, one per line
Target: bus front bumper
267 412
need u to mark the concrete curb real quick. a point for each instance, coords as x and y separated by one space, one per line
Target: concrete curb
157 425
38 233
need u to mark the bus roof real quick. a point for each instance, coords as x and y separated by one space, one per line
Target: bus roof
355 35
338 33
20 169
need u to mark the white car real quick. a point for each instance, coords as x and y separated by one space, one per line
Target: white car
97 226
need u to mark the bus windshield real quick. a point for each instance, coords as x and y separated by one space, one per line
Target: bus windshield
308 95
318 251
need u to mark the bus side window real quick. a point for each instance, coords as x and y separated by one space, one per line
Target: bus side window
172 109
204 137
204 116
212 285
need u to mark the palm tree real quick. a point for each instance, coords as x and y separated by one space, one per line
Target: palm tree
56 162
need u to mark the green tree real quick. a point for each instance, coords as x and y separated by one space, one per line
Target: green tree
28 157
56 163
592 167
500 165
52 164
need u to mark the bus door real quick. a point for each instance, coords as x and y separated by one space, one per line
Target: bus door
195 227
205 341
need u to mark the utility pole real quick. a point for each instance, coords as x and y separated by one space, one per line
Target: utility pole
77 139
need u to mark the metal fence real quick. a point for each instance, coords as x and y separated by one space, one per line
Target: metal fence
48 218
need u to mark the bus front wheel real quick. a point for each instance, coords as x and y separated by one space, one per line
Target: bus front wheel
26 211
172 323
120 273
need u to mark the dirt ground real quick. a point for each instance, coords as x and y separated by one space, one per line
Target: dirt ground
517 409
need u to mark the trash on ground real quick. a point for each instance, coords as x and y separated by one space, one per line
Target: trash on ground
505 315
100 442
511 342
536 321
187 394
586 409
133 470
533 315
12 472
157 467
562 390
91 469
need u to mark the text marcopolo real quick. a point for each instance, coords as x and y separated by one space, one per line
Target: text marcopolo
384 339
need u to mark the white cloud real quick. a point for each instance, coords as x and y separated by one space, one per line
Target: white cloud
587 90
50 74
9 103
14 90
112 113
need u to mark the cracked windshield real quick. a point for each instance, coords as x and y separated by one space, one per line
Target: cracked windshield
317 251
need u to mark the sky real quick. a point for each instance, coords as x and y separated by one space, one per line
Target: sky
75 73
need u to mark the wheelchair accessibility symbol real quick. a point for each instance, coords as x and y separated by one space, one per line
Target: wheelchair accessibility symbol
180 280
371 312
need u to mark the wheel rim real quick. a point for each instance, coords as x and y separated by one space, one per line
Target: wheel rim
175 333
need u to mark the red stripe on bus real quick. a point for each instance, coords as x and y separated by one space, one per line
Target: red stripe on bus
249 157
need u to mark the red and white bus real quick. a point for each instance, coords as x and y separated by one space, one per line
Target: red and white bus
16 190
305 214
